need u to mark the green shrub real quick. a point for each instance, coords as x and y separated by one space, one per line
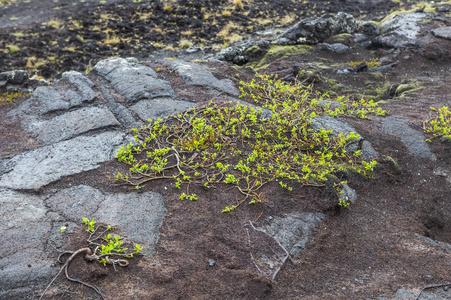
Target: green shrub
440 126
236 144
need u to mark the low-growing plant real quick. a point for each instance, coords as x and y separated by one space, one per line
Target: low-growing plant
342 201
9 97
372 63
102 246
440 126
232 143
91 224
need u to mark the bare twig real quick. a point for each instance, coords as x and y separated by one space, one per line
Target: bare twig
259 216
250 251
81 282
280 245
66 265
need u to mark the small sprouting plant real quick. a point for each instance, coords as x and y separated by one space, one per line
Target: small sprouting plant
236 144
138 248
192 197
88 67
342 201
440 126
230 179
63 229
90 224
102 247
229 208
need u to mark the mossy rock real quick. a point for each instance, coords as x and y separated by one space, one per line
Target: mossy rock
341 38
377 90
335 86
254 50
390 161
406 88
277 52
310 76
378 76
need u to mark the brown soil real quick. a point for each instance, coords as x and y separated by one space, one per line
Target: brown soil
366 251
56 36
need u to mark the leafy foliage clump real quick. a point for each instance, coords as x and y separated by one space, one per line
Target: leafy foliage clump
9 97
244 146
440 126
109 247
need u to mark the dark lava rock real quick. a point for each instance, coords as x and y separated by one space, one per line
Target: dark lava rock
360 67
369 28
14 77
316 30
337 47
239 54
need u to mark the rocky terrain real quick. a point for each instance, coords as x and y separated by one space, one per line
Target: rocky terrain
60 136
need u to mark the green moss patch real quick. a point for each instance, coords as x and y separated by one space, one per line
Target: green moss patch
277 52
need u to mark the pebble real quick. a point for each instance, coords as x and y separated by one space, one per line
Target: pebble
211 262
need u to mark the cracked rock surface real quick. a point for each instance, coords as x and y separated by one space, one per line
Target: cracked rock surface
80 123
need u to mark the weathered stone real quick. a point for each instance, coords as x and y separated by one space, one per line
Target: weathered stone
238 53
401 29
160 108
77 79
359 37
123 115
138 225
72 123
337 47
413 139
24 229
14 77
366 44
83 85
139 216
349 195
293 230
383 68
35 169
390 41
25 259
429 294
339 126
314 30
443 9
133 81
369 28
194 74
442 32
284 41
49 100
